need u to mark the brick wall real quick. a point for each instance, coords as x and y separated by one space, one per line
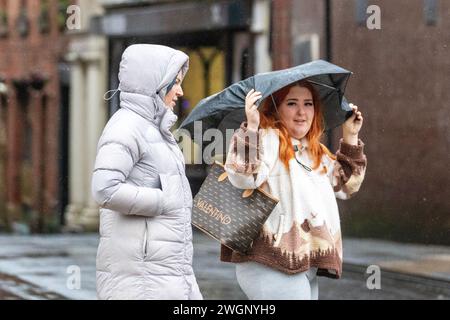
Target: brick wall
401 83
281 34
19 58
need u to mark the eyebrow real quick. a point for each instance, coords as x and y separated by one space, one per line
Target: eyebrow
295 99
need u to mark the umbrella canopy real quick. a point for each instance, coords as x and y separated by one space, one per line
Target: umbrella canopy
226 109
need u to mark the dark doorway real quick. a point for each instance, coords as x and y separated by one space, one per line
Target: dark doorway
64 159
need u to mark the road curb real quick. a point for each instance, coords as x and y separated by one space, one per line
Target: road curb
435 281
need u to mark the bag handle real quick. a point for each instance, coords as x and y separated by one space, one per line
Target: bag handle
247 192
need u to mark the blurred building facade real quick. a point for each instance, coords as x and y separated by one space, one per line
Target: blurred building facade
86 56
401 81
32 119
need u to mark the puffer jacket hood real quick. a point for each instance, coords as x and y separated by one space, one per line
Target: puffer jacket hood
145 72
139 181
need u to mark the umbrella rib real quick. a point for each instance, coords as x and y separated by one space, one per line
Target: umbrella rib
322 84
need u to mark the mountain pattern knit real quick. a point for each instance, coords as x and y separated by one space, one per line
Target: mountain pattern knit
303 231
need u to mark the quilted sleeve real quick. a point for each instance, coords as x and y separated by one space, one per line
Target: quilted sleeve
116 156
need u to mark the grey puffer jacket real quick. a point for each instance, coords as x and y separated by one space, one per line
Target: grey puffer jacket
145 249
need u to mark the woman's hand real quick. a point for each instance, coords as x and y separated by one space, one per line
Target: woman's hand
352 125
251 110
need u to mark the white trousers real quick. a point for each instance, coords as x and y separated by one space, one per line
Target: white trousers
260 282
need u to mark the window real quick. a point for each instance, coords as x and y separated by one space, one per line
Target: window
3 19
306 49
62 14
430 12
44 17
361 11
22 23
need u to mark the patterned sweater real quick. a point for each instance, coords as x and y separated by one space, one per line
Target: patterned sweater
303 231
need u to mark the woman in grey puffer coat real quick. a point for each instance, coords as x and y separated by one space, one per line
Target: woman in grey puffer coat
145 249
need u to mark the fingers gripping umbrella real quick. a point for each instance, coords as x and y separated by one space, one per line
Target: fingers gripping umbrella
225 110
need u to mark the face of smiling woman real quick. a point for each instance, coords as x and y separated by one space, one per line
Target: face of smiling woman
297 111
175 92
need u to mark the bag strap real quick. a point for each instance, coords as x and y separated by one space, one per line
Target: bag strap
247 192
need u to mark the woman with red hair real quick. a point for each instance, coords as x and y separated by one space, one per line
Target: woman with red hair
279 150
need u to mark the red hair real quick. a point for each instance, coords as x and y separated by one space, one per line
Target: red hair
269 118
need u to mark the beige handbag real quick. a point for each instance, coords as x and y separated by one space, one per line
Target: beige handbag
231 215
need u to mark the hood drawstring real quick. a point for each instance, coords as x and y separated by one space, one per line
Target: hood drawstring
106 95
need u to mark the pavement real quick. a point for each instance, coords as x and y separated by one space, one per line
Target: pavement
43 267
426 261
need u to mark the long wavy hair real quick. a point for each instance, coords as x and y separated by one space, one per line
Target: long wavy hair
269 118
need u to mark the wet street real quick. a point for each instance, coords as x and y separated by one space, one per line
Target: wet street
13 288
39 268
352 285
